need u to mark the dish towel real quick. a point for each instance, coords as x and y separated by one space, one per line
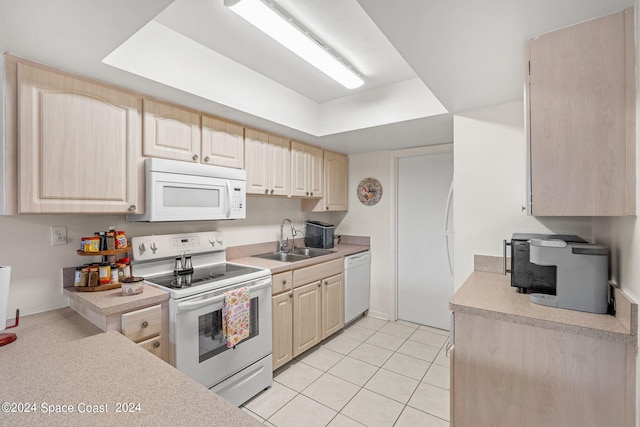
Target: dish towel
235 315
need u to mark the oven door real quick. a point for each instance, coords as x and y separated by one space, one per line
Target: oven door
199 348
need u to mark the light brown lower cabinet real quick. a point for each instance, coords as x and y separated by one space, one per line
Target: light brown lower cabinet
510 374
307 307
307 317
282 313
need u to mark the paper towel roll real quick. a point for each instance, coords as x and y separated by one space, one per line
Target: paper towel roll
5 278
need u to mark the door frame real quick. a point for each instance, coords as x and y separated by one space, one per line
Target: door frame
394 158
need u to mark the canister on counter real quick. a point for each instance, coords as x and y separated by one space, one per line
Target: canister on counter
132 285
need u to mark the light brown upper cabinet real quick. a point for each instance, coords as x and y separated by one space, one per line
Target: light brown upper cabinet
176 133
306 170
78 145
268 164
581 100
171 132
222 143
336 177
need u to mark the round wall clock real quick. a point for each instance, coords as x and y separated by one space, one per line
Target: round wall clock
369 191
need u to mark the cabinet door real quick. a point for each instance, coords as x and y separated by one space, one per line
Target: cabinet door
315 168
279 166
171 132
222 143
582 119
332 305
78 145
336 168
256 149
307 303
306 170
282 313
299 176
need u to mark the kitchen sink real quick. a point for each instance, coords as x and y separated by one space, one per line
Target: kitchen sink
311 252
282 256
296 254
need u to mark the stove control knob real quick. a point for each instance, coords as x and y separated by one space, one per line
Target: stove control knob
142 248
213 242
154 247
219 239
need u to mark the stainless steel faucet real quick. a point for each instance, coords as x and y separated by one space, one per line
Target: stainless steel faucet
282 243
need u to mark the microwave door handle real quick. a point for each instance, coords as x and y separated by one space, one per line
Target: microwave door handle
228 201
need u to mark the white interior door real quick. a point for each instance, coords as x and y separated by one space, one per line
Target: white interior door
425 283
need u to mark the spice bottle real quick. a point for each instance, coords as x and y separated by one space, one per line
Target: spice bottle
94 277
105 273
115 279
121 239
77 281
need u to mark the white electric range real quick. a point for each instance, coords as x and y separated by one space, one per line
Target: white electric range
192 268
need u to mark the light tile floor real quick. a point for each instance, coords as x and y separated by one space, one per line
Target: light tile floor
373 373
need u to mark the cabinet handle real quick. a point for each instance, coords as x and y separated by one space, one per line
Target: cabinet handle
266 191
290 294
327 207
284 281
307 193
132 208
312 193
271 191
206 159
156 344
319 284
144 324
195 157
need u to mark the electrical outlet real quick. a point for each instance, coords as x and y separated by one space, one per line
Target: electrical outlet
58 235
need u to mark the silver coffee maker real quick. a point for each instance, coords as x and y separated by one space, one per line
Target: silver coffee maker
581 275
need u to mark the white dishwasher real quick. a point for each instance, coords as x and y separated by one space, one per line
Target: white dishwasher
356 285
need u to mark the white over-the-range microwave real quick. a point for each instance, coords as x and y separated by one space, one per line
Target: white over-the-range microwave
183 191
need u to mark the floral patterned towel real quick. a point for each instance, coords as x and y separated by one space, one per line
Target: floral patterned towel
235 315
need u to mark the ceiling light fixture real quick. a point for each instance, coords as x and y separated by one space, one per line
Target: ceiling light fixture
274 22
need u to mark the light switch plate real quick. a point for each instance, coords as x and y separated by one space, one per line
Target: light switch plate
58 235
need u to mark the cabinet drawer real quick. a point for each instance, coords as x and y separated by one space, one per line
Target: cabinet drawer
153 346
142 324
317 272
281 282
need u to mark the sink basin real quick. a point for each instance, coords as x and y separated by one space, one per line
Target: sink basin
297 254
282 256
311 252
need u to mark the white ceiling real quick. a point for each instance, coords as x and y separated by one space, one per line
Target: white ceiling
413 53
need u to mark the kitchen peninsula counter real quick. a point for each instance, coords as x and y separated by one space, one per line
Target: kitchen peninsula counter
61 360
538 365
490 295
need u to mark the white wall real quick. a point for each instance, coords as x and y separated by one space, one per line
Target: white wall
36 274
373 221
490 186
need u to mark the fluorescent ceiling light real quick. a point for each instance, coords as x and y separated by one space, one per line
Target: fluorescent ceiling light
291 35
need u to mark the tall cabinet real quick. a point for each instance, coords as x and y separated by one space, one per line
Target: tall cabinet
90 131
581 97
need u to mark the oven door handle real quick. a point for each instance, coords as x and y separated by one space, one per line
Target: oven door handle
191 305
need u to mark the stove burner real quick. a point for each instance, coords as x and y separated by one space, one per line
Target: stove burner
201 276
